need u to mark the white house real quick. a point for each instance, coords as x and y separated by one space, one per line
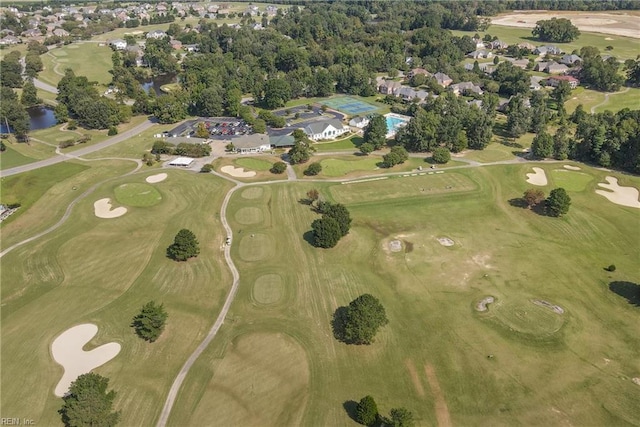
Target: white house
325 129
156 34
359 122
118 44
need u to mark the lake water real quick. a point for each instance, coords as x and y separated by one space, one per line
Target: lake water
156 82
39 118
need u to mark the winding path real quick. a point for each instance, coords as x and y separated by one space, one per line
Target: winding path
606 99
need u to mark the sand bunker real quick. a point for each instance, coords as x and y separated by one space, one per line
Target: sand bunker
608 38
67 351
156 178
571 168
636 380
538 177
237 172
103 209
482 305
556 308
624 196
445 241
395 246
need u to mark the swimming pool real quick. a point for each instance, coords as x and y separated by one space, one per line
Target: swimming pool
394 122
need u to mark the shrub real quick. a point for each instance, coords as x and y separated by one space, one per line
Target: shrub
207 168
441 155
67 143
278 167
314 169
611 268
367 411
73 125
149 323
112 131
184 246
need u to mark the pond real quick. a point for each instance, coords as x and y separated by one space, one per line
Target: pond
39 118
156 82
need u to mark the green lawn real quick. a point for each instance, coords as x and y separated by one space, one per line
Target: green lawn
102 271
11 158
579 362
616 102
85 59
623 47
137 194
351 143
254 164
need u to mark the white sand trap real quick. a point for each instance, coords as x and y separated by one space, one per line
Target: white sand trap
103 209
152 179
538 177
237 172
571 168
67 351
608 38
556 308
445 241
624 196
482 305
395 246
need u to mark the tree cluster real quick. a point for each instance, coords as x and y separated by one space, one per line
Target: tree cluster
13 113
396 156
375 134
332 226
88 403
598 73
366 413
557 30
184 246
302 148
359 322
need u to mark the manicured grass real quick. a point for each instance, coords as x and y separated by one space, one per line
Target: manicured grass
85 59
587 97
254 164
340 167
351 143
429 292
570 180
102 271
11 158
137 194
629 98
623 47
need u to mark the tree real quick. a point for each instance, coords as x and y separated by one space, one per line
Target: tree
150 322
540 112
301 151
202 131
313 195
375 132
560 95
206 168
184 246
29 95
366 411
397 156
561 143
366 148
278 167
338 212
88 403
518 117
558 30
598 73
314 169
542 145
362 319
401 417
441 155
533 197
558 202
326 232
276 93
512 80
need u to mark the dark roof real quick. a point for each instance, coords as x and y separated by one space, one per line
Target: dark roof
282 141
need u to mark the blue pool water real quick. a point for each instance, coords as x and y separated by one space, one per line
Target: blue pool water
393 123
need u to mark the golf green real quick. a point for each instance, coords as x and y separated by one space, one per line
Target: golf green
137 194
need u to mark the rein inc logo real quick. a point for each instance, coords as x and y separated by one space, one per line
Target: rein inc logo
7 421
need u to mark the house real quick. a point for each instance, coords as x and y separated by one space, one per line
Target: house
527 46
389 87
9 40
191 47
570 59
31 33
555 68
479 54
272 10
540 66
442 79
498 44
421 95
520 63
547 50
359 122
406 93
254 143
417 71
60 32
156 34
118 44
479 43
534 83
176 44
475 103
461 88
486 67
325 129
252 10
555 81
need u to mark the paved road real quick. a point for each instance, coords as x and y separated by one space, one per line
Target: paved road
45 86
177 383
81 152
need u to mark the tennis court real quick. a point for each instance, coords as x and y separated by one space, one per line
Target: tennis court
349 105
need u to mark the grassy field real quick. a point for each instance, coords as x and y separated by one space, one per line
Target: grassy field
85 59
545 368
103 271
11 158
626 98
623 47
260 165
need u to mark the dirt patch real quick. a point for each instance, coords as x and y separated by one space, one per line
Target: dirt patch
67 350
102 209
538 177
395 246
636 380
555 308
237 172
482 260
624 196
415 379
442 411
482 304
445 241
621 24
152 179
571 168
